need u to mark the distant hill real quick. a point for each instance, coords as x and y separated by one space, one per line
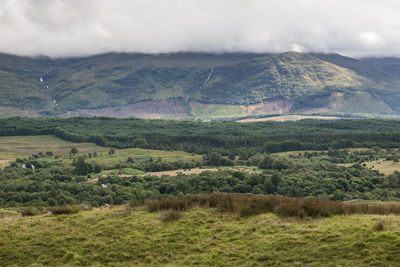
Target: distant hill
198 85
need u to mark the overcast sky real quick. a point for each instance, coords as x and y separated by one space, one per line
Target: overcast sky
60 28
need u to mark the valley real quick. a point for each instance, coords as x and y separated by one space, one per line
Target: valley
199 133
108 191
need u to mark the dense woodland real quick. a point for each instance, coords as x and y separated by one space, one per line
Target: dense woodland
226 138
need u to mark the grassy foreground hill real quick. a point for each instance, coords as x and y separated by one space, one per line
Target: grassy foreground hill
131 236
194 85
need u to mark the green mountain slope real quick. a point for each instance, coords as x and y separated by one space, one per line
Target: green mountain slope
198 85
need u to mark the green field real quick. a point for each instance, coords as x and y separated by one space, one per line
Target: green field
24 146
12 147
129 237
140 155
28 145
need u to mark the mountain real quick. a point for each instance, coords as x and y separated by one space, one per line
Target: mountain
198 85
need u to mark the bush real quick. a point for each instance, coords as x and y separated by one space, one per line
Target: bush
379 226
166 203
31 211
171 216
58 210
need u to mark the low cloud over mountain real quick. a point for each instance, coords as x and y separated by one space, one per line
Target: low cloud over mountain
60 28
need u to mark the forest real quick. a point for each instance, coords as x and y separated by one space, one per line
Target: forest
227 138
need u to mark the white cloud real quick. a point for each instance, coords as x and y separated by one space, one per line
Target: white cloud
77 27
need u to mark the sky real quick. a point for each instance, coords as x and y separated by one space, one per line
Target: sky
65 28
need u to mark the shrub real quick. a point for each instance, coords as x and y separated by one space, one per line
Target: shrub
58 210
171 216
289 210
31 211
379 226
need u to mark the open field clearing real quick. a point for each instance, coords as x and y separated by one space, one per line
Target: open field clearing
298 152
384 166
24 146
127 172
28 145
125 236
290 118
198 171
140 155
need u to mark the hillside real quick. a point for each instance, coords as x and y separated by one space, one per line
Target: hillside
190 85
126 236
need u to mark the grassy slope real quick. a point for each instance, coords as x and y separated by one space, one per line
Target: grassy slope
113 80
202 237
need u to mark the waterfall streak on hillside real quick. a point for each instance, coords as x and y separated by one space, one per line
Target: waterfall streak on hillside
209 75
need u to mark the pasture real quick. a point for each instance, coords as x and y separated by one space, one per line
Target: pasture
11 146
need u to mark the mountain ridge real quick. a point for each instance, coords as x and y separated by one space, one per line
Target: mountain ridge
198 85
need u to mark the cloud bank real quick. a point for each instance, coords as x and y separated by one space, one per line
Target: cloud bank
62 28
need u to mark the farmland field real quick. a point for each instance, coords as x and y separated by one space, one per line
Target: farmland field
28 145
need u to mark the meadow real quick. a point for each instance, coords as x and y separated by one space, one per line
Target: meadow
130 235
12 147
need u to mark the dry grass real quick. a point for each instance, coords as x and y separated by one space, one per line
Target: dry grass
8 214
383 166
247 205
196 171
290 118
